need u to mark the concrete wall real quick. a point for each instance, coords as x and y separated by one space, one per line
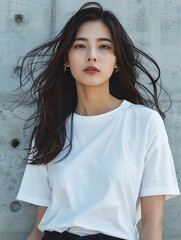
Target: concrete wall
153 25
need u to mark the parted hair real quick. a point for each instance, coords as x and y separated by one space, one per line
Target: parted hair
53 90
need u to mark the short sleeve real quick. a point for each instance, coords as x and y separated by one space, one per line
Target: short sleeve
159 176
35 186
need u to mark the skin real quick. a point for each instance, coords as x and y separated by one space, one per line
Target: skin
93 46
35 233
89 48
151 217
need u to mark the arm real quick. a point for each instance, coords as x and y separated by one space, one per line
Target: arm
151 217
35 233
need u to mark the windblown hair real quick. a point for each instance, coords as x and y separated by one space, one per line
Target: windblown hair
54 91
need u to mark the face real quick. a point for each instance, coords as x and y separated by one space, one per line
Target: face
91 57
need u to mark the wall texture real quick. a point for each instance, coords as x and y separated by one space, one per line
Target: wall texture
153 25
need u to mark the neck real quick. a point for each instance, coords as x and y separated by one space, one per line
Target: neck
91 102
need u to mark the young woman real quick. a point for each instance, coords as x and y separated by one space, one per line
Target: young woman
99 155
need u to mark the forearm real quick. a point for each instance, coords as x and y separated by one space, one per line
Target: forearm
35 234
151 231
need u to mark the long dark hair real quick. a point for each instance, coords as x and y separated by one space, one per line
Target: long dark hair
54 92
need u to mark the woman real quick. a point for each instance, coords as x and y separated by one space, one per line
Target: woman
99 156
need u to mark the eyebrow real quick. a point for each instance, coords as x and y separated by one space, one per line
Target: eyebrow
99 39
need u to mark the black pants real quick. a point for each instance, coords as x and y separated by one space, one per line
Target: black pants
70 236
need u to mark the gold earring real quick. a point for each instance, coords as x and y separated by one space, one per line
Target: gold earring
66 66
116 69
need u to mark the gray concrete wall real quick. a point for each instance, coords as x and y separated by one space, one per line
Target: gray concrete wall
153 25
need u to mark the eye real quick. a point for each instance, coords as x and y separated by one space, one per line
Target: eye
79 46
104 46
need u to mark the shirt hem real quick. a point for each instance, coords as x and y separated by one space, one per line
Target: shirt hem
33 200
168 193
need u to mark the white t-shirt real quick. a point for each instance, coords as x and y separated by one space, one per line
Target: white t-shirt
116 158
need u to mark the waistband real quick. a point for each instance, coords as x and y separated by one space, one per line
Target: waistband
71 236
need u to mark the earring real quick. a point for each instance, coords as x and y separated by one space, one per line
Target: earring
116 69
66 66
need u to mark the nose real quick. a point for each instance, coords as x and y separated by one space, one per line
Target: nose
92 59
92 56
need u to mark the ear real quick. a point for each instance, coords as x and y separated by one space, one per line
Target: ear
66 59
116 65
67 64
116 68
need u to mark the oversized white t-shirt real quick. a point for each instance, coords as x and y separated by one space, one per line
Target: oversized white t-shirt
116 158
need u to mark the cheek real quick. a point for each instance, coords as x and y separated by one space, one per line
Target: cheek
110 62
108 57
74 60
74 64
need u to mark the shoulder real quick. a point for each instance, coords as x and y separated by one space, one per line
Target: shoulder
147 124
141 113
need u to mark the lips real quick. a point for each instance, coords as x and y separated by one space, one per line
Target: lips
91 69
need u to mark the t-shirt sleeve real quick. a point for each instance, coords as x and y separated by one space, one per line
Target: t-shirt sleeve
35 187
159 176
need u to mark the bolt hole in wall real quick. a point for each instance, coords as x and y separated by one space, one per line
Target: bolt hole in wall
15 143
18 18
15 206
